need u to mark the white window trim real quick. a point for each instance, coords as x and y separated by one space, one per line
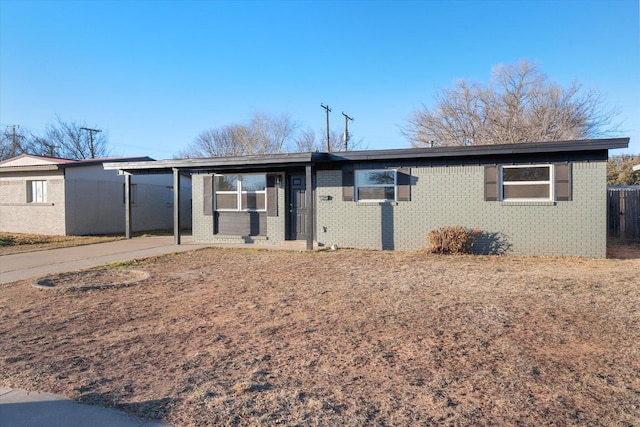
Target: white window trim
357 186
33 192
522 199
239 192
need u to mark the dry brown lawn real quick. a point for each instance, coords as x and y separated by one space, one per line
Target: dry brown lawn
248 337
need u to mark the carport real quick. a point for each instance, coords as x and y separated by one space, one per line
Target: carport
185 167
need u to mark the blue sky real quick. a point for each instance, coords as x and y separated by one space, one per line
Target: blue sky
155 74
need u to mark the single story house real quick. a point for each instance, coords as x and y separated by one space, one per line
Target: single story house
46 195
534 198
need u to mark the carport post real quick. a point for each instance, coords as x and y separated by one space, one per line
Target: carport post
310 210
176 206
127 205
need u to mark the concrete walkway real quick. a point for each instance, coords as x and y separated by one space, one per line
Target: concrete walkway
20 408
31 265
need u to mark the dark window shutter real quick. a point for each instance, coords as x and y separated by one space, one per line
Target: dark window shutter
491 187
562 174
272 196
347 185
403 185
208 195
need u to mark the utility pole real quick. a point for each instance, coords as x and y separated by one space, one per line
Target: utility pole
14 139
91 148
346 131
328 110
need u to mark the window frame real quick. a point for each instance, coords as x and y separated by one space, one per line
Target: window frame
550 183
357 185
33 194
239 192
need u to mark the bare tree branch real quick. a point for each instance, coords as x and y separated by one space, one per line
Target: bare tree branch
520 105
69 140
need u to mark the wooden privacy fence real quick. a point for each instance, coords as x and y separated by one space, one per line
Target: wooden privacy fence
623 212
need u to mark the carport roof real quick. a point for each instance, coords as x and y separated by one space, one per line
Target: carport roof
302 159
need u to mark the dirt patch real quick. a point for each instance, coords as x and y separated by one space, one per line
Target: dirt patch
623 250
96 278
221 336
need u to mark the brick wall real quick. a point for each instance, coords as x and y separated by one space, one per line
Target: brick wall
203 226
454 195
19 216
276 224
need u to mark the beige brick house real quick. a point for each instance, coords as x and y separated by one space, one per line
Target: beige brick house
45 195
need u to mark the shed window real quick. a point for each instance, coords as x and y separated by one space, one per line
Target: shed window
241 192
526 182
36 191
376 185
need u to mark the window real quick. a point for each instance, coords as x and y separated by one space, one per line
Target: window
241 192
376 185
527 183
169 196
36 191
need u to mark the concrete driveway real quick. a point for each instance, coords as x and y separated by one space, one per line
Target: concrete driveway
31 265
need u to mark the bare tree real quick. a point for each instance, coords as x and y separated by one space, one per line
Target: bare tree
307 140
270 134
263 134
520 105
71 140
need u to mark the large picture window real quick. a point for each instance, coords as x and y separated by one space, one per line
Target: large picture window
376 185
241 192
36 191
527 182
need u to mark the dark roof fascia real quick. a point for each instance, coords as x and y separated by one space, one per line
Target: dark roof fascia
480 150
215 163
272 161
94 162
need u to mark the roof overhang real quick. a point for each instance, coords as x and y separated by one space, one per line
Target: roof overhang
29 168
60 164
272 161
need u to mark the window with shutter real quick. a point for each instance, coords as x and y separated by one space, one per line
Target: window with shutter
376 185
541 182
208 196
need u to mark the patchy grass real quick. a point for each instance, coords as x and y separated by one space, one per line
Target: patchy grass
14 243
222 336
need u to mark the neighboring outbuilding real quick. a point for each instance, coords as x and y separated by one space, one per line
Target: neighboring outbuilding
534 198
46 195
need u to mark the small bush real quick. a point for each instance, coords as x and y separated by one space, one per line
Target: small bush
450 240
